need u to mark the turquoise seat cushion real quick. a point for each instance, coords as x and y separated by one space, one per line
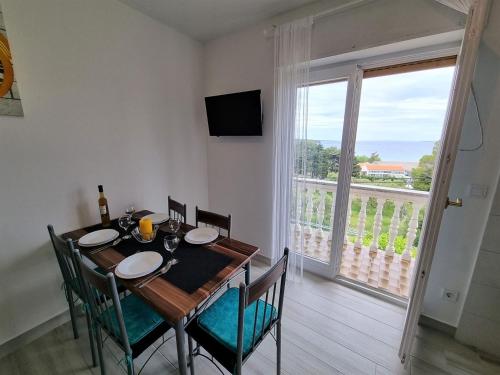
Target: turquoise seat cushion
220 320
139 319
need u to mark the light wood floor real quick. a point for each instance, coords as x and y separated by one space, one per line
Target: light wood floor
327 329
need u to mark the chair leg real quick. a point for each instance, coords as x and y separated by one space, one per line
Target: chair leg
130 365
99 348
278 348
191 356
71 303
91 336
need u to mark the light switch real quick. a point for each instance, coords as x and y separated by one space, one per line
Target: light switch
478 191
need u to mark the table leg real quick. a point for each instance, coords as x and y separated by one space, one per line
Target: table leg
181 352
247 273
190 349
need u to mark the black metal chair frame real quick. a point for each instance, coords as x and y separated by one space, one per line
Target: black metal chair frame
214 219
177 210
248 295
64 254
101 294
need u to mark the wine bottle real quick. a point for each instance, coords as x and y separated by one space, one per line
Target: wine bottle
103 208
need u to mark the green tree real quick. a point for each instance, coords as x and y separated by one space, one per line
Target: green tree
331 160
319 161
422 175
374 157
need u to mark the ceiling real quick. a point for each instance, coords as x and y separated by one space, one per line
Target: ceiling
208 19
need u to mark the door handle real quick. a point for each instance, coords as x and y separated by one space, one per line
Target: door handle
455 203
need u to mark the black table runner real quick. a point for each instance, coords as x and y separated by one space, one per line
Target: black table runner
197 264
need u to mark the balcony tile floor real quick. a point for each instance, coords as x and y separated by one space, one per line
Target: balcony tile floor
389 274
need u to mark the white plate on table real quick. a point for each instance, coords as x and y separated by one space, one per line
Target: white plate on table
157 218
138 265
201 236
99 237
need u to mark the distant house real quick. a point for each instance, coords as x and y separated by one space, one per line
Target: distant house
384 170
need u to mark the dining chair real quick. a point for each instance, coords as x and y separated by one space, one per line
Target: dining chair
129 322
231 328
215 220
177 210
71 283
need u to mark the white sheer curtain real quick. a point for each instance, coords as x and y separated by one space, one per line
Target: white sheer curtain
292 43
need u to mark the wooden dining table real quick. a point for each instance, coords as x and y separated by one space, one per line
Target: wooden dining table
172 303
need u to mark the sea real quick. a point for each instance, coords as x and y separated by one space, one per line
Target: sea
404 151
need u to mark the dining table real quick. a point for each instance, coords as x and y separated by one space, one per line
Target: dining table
203 270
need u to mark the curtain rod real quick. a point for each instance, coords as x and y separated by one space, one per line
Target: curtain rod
340 8
327 12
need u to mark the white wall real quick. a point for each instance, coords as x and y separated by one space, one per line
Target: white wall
110 97
462 228
479 324
240 168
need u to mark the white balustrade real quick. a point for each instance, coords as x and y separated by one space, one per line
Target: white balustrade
320 217
380 195
348 220
332 212
361 223
309 213
412 232
393 230
377 225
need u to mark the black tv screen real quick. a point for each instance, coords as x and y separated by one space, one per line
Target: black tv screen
234 114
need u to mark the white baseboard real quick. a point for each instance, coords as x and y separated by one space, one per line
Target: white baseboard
25 338
262 259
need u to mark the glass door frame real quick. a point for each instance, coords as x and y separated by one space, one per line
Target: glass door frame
353 72
353 75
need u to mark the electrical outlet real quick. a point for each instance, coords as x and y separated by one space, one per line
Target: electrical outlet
450 295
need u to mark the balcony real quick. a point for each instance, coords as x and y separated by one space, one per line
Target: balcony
381 240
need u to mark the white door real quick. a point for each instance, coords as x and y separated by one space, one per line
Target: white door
341 86
443 172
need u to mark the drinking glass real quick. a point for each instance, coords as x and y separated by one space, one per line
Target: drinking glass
125 222
171 241
130 210
174 224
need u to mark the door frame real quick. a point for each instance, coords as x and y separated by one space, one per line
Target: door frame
352 71
351 74
452 129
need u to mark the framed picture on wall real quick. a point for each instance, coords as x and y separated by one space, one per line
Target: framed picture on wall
10 100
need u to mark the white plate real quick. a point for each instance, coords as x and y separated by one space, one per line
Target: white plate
200 236
138 265
99 237
157 218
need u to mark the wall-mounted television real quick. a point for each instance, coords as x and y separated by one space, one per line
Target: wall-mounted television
237 114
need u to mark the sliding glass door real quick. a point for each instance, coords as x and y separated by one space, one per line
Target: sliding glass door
367 184
319 227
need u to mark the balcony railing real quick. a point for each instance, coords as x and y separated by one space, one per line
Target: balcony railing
382 227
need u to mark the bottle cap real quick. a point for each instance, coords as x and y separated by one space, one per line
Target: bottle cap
100 188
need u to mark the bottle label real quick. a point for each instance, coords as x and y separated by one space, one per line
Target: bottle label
103 210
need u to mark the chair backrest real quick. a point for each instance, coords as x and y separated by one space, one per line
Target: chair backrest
215 220
263 286
177 210
64 255
101 294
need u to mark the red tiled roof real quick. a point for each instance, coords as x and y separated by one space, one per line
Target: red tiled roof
383 167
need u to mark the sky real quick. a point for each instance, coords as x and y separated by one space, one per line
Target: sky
399 107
